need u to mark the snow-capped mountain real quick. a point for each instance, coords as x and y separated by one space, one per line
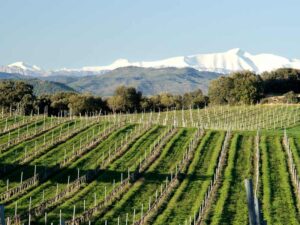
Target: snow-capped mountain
225 62
22 68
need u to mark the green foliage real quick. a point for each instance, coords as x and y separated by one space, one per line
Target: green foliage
125 99
82 104
291 97
238 88
219 91
194 99
60 102
40 86
17 96
281 81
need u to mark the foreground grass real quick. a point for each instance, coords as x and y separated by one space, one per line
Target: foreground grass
235 209
48 160
279 205
145 187
31 127
88 161
18 152
85 199
217 209
188 197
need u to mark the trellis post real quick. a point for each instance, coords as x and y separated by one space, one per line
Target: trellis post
2 215
250 201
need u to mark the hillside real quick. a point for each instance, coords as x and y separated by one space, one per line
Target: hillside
39 86
148 80
94 170
48 87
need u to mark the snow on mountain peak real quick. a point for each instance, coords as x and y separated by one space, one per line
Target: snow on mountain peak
236 51
232 60
23 66
120 63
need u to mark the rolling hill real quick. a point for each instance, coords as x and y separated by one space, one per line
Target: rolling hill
148 80
40 87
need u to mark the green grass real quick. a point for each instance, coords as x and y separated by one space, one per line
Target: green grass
216 212
17 152
50 159
30 128
295 148
106 178
9 121
276 192
279 205
188 197
88 161
145 187
240 118
236 210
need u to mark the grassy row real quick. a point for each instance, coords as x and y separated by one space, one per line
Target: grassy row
146 186
9 121
106 179
88 162
188 197
54 157
235 209
279 205
30 128
17 152
216 211
234 117
50 159
295 148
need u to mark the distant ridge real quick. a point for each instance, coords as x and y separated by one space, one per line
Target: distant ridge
40 87
225 62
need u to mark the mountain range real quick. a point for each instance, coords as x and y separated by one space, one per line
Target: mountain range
225 62
150 81
174 75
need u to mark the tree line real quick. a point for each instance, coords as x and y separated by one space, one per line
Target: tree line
237 88
249 88
19 96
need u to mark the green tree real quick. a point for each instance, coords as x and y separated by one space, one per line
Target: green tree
219 91
82 104
239 88
125 99
17 95
247 88
281 81
194 99
291 97
60 102
167 101
44 104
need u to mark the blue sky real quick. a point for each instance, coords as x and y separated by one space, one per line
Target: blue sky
75 33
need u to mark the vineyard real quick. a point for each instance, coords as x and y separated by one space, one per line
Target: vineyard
173 167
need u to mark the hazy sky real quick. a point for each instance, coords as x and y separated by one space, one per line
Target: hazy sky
75 33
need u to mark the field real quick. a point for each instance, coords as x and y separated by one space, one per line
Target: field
175 167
